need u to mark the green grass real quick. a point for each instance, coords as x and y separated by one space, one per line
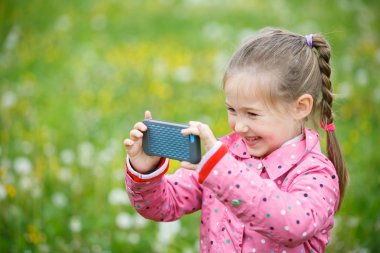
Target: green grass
76 75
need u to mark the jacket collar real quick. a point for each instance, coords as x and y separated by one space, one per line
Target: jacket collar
281 160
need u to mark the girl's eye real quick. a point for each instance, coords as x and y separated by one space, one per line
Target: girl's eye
230 109
252 114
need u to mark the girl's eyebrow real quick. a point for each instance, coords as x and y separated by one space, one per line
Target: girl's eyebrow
244 108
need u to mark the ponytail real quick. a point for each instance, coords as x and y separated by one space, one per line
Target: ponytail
326 114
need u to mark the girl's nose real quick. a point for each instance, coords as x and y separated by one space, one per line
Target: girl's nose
240 126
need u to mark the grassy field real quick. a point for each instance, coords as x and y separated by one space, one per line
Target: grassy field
76 75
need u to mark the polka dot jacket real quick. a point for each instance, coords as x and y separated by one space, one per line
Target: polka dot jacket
284 202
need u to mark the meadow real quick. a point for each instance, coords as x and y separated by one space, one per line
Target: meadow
76 75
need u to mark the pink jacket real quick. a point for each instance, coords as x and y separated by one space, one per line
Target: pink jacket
284 202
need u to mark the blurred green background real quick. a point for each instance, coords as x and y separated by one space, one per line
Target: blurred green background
76 75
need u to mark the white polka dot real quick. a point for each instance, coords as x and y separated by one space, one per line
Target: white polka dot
293 145
286 228
284 251
293 156
309 188
215 172
283 212
262 241
259 166
279 182
252 182
298 203
324 231
304 234
298 172
253 250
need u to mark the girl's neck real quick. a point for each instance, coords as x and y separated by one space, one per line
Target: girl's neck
294 140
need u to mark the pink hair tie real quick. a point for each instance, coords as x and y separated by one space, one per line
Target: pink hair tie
329 128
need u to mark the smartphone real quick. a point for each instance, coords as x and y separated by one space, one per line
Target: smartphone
165 139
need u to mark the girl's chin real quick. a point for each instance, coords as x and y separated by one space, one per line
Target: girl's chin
255 152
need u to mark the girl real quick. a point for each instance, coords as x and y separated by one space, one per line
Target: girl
266 187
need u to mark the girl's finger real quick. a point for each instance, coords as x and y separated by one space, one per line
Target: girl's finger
190 130
148 115
140 126
128 143
135 135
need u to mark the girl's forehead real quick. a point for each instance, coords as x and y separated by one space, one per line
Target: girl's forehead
246 89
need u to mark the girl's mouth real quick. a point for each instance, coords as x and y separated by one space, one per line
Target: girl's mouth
251 141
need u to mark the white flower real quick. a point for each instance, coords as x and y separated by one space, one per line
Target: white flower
64 174
140 222
118 197
184 74
67 156
36 192
8 99
23 166
133 238
26 183
124 220
86 154
59 199
167 230
75 224
3 192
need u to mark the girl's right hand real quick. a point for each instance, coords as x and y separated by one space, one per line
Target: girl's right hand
140 161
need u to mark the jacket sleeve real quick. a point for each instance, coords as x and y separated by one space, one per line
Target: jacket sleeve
289 216
161 197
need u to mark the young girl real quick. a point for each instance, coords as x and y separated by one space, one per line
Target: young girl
266 187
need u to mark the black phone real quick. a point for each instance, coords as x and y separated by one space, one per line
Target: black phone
165 139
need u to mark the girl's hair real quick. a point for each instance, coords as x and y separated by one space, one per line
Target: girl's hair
296 68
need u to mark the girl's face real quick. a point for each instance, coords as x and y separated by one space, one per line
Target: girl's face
262 128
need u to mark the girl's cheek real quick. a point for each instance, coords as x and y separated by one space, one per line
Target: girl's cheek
231 123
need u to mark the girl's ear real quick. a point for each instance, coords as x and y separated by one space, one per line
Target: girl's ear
303 106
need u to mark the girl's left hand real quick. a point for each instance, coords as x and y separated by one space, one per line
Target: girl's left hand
207 137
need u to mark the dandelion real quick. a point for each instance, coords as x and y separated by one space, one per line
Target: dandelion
140 222
75 225
11 190
118 197
34 236
3 192
13 37
67 156
8 99
22 165
168 230
361 77
59 199
184 74
36 192
64 174
86 154
133 238
124 220
26 183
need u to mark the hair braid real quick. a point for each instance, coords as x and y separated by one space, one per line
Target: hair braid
326 116
326 102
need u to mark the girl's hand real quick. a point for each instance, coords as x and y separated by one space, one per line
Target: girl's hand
207 137
140 161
